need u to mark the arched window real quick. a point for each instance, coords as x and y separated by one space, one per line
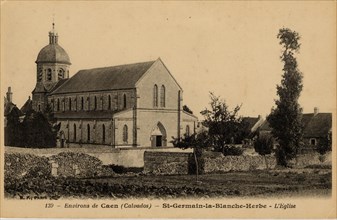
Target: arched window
103 133
124 101
39 107
187 130
95 103
155 96
69 104
58 104
109 102
82 103
88 132
49 75
162 96
74 132
60 74
125 134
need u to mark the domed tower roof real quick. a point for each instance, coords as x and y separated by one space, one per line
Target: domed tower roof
53 53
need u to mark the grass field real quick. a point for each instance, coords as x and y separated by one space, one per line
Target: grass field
233 184
273 183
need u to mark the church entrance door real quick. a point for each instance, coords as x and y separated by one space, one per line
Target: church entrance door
159 141
158 136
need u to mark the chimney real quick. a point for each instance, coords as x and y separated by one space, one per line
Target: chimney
9 95
316 111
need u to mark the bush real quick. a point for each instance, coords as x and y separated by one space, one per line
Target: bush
121 169
56 188
231 150
20 165
264 144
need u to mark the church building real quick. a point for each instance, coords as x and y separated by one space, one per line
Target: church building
132 105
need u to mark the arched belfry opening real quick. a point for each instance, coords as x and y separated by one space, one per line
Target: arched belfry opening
158 136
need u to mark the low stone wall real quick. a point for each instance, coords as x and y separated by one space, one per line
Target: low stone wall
127 157
65 164
216 162
312 158
166 162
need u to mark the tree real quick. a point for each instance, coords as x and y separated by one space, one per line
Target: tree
38 131
13 130
198 142
286 119
325 144
263 145
49 114
224 126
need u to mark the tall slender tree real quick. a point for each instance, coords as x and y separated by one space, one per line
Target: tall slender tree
286 119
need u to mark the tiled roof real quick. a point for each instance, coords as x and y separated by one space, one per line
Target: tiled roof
53 53
251 121
28 106
106 78
317 125
314 125
58 84
9 107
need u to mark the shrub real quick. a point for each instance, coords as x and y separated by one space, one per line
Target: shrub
231 150
20 165
121 169
264 144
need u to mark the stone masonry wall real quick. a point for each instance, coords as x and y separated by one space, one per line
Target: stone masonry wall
216 162
166 162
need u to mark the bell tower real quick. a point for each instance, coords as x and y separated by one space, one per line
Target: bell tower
52 69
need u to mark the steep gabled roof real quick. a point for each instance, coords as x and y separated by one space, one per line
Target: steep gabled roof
317 125
106 78
251 121
28 106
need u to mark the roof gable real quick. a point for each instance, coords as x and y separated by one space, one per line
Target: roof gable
317 125
106 78
161 62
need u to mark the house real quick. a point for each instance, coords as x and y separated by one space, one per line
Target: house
132 105
12 117
317 128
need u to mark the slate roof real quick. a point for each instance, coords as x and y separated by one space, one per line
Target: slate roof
106 78
317 125
85 114
53 53
251 121
10 107
28 106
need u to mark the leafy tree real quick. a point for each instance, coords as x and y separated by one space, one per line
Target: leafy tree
224 126
38 131
187 109
325 144
263 145
13 129
229 150
198 142
286 119
49 114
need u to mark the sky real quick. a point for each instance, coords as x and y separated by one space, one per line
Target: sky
229 48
